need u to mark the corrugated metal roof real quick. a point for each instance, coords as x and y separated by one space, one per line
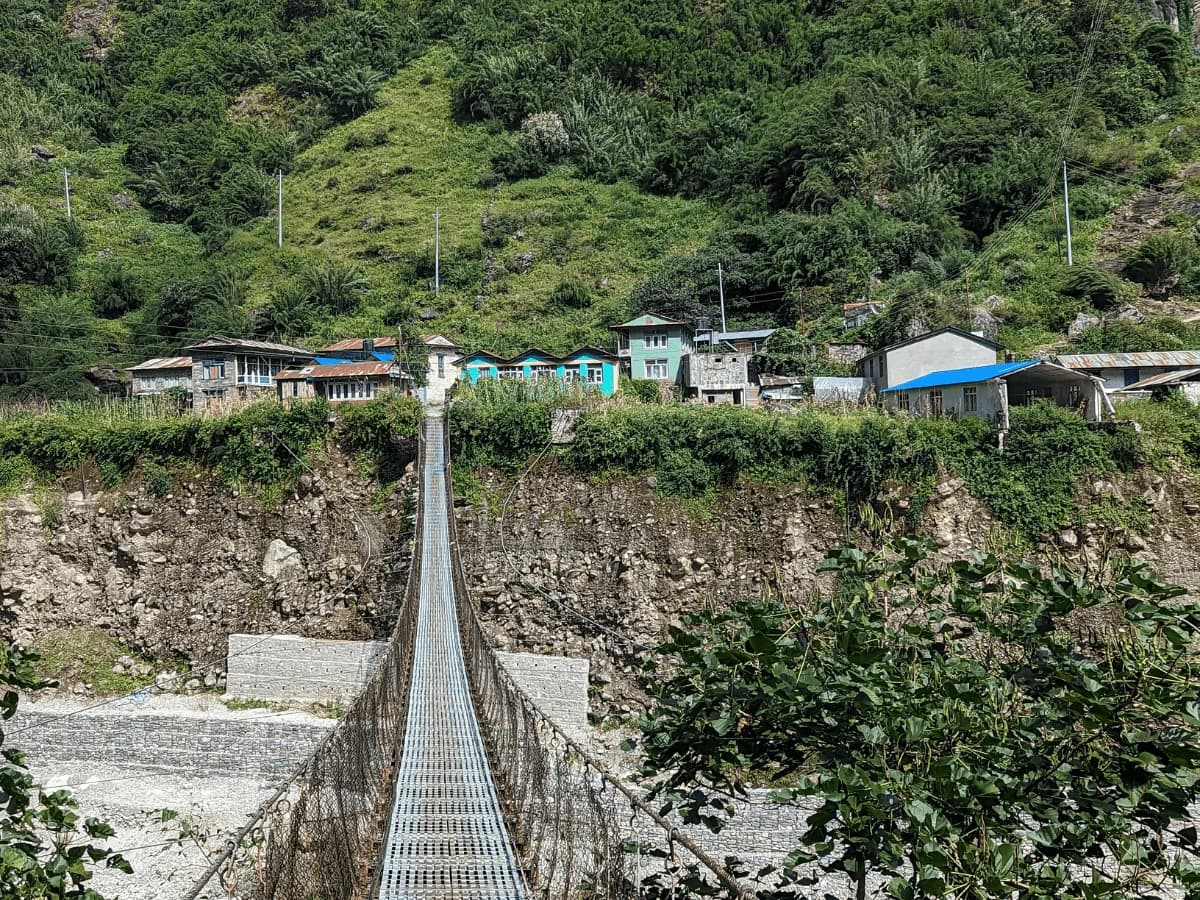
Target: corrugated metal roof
331 360
357 344
220 342
1163 378
1129 360
649 320
162 362
970 375
351 370
736 335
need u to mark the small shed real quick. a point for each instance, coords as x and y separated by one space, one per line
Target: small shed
987 392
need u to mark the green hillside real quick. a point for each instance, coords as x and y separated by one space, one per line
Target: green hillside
590 160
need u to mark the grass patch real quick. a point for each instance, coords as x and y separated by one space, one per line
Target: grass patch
237 704
87 654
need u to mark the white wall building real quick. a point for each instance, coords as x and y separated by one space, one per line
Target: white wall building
935 351
1122 370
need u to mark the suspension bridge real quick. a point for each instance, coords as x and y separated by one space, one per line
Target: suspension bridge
444 780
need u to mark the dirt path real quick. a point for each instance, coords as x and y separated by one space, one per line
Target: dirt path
1141 215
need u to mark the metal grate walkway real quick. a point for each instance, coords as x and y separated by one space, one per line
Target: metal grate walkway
447 837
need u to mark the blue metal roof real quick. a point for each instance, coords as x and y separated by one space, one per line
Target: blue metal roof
330 360
971 375
383 357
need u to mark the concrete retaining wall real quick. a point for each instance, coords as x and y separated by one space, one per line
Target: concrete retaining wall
255 743
285 667
294 668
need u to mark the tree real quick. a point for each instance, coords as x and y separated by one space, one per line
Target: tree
970 730
1160 261
40 856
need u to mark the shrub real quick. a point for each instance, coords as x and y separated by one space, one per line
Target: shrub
544 134
333 286
117 291
157 479
571 294
1160 261
643 391
1093 286
680 474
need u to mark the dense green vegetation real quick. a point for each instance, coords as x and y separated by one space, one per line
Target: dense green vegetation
49 849
616 152
973 729
1032 485
265 445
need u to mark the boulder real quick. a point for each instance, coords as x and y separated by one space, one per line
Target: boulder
281 562
1082 323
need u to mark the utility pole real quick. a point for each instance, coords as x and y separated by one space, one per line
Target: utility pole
1067 214
437 251
721 289
67 190
279 216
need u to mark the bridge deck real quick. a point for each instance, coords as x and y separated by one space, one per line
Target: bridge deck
447 837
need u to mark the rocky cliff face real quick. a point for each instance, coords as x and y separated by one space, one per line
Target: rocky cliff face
172 577
1179 14
600 568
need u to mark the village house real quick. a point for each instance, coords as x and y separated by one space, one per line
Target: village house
161 374
1120 371
233 370
856 314
989 391
734 341
442 371
934 351
588 365
1182 381
717 377
441 365
343 382
651 347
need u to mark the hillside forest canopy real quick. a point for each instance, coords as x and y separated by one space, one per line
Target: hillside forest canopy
843 150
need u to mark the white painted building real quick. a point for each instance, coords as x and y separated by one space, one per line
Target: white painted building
988 392
934 351
1122 370
443 368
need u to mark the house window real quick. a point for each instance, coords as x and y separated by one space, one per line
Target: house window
213 369
510 371
1131 376
656 339
441 365
905 402
1031 394
543 373
935 403
295 389
1074 395
594 374
970 399
657 369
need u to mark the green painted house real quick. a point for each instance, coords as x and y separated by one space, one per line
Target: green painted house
650 347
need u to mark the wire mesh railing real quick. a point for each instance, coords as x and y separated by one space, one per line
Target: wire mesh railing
580 830
317 836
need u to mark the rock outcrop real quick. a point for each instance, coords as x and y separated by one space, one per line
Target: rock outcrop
171 578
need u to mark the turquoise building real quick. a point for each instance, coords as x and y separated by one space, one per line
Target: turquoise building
588 365
650 347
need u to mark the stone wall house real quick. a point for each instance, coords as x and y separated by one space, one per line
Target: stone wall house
227 372
713 378
161 374
935 351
